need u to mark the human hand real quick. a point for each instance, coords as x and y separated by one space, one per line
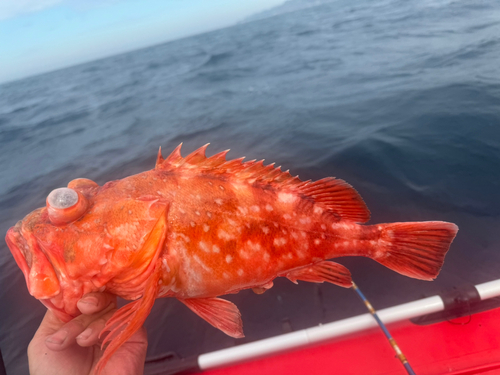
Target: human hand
73 348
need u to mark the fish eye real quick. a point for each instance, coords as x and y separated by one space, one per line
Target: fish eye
62 198
65 205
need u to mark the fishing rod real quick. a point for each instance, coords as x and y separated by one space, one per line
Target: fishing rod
387 334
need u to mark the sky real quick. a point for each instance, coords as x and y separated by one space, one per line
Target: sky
38 36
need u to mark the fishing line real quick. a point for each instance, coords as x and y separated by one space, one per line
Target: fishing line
393 343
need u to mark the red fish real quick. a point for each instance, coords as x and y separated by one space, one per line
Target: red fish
195 228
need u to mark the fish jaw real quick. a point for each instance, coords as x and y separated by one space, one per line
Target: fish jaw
16 242
39 273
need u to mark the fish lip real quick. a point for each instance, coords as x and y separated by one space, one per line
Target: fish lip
14 239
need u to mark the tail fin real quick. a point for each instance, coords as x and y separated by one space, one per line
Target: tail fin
415 249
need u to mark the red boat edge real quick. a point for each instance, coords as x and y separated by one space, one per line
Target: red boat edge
466 341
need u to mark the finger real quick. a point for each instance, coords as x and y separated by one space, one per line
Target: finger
49 325
66 335
92 303
90 336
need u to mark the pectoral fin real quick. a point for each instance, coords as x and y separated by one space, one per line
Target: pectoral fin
330 272
220 313
127 320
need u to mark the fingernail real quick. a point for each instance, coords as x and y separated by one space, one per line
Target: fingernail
58 337
90 301
85 334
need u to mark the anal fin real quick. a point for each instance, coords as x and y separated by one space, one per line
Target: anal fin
220 313
330 272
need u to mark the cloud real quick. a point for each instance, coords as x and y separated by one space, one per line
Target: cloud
12 8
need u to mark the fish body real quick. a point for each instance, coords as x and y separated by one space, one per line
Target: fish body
196 228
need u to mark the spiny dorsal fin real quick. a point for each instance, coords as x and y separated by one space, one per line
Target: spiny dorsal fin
253 171
159 159
335 196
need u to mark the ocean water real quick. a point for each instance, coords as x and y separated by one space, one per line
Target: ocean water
399 98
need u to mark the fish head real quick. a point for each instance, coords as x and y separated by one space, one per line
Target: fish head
39 242
85 236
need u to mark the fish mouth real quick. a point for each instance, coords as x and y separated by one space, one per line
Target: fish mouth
20 249
39 273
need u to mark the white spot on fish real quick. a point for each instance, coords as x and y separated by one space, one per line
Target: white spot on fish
305 220
243 210
203 246
287 216
218 201
215 249
372 242
224 235
287 197
210 183
206 227
198 196
197 213
269 207
183 236
266 256
323 226
279 241
265 230
193 224
244 254
346 243
289 256
226 275
304 234
255 208
231 222
317 241
209 214
181 210
221 187
165 264
200 262
253 246
106 246
318 210
130 212
295 235
229 258
240 272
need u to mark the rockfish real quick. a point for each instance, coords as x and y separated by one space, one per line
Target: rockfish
195 228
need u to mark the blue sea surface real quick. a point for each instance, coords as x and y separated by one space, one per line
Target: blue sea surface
399 98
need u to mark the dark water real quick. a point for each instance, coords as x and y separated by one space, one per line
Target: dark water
399 98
